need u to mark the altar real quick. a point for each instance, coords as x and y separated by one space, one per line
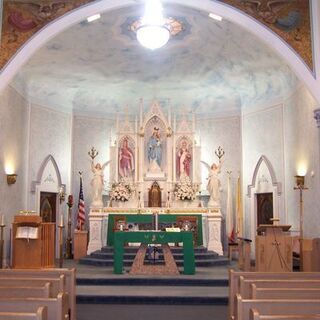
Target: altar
155 167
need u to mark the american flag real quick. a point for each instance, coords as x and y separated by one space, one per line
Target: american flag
81 218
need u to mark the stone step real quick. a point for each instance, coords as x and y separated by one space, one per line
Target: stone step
195 295
152 281
127 263
130 249
131 255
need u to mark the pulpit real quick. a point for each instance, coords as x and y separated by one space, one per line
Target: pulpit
273 248
32 242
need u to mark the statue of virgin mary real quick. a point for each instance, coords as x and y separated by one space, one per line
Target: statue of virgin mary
154 152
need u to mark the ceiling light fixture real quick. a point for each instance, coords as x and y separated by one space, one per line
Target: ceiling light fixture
94 17
153 33
215 16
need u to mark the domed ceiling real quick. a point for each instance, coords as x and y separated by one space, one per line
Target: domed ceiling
99 68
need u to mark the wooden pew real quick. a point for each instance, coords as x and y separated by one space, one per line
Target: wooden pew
284 293
245 287
57 307
275 307
255 315
40 314
70 280
57 284
26 292
235 275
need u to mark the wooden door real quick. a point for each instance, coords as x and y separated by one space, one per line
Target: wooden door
264 208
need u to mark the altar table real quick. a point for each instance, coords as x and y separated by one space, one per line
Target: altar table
154 237
147 218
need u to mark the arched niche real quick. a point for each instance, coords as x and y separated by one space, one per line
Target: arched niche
48 180
246 22
264 181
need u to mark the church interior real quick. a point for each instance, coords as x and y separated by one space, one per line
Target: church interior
175 179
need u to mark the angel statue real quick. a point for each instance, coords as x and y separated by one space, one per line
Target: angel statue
214 184
97 183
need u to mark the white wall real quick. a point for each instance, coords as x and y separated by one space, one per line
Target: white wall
87 133
224 132
13 132
287 135
50 133
262 134
302 150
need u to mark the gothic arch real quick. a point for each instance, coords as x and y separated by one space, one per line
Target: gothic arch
49 159
231 14
277 185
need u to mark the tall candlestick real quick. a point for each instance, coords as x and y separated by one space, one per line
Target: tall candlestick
141 111
169 113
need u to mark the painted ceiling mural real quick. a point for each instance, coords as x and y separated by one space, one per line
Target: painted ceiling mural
210 67
290 19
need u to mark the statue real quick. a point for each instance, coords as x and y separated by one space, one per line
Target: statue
184 158
154 152
214 185
97 183
126 160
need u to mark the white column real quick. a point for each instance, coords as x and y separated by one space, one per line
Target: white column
97 230
214 232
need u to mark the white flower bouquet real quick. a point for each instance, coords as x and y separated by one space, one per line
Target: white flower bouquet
121 191
185 190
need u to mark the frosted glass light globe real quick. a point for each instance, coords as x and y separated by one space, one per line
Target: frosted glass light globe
153 36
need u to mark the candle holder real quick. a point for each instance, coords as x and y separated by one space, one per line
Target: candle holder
93 153
219 153
69 238
2 226
61 227
299 180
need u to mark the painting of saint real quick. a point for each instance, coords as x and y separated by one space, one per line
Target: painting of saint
184 159
126 160
154 151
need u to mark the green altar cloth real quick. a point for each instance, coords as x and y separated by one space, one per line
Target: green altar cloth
147 218
154 237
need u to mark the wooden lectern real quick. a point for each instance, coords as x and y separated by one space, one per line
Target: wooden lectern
273 248
32 242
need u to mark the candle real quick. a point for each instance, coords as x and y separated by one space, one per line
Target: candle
61 220
2 219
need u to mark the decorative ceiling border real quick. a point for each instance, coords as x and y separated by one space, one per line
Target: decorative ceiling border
289 19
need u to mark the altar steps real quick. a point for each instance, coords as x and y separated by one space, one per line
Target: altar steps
203 257
149 294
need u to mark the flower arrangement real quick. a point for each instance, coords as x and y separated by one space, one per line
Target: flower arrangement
121 191
185 190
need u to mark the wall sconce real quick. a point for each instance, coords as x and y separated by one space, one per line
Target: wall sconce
62 194
11 178
299 181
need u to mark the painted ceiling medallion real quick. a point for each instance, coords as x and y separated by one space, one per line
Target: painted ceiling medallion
175 26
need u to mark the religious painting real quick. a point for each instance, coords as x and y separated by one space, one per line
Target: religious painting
126 160
155 147
289 19
184 157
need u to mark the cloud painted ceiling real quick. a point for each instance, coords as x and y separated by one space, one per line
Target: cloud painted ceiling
210 68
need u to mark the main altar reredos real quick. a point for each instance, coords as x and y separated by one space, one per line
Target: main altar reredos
155 166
